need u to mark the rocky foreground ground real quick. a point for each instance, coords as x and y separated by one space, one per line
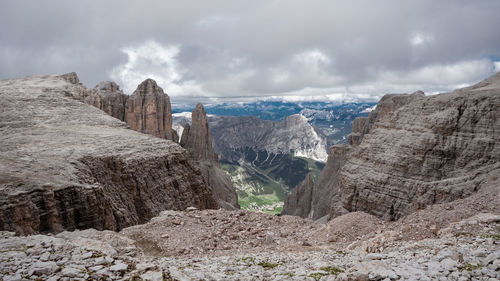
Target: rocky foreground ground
443 242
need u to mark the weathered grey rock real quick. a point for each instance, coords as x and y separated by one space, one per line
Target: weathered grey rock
119 267
422 151
45 268
72 272
152 276
414 151
68 165
197 140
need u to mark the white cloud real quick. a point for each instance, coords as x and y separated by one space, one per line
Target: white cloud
152 60
306 76
420 39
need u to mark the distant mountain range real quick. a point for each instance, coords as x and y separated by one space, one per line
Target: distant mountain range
267 148
334 120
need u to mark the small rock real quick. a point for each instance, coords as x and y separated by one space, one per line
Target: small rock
190 209
152 276
45 268
119 267
375 256
53 278
45 256
87 255
16 277
95 268
448 264
495 256
306 243
72 272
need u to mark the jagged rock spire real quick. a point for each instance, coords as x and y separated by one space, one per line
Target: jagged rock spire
148 110
196 138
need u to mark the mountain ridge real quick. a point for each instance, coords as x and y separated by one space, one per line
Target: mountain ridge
412 151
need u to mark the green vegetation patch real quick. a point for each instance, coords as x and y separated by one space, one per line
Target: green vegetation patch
470 267
268 265
328 270
489 235
246 259
317 275
332 270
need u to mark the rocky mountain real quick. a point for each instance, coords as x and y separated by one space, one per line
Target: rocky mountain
236 136
67 165
333 119
197 140
410 152
147 110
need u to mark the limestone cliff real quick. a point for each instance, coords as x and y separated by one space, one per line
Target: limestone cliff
235 136
197 140
67 165
413 151
148 111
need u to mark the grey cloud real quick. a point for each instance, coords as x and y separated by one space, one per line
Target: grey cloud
249 48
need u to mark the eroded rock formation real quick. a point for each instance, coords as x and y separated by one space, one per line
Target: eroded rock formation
197 140
148 111
413 151
68 165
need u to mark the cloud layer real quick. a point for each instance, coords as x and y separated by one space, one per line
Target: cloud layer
245 50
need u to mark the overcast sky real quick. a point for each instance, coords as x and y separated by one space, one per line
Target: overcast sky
242 50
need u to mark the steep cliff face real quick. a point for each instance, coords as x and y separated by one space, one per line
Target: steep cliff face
148 111
293 135
413 151
298 202
67 165
197 140
315 200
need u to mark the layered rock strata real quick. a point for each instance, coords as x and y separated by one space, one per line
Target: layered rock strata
148 111
413 151
197 140
68 165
